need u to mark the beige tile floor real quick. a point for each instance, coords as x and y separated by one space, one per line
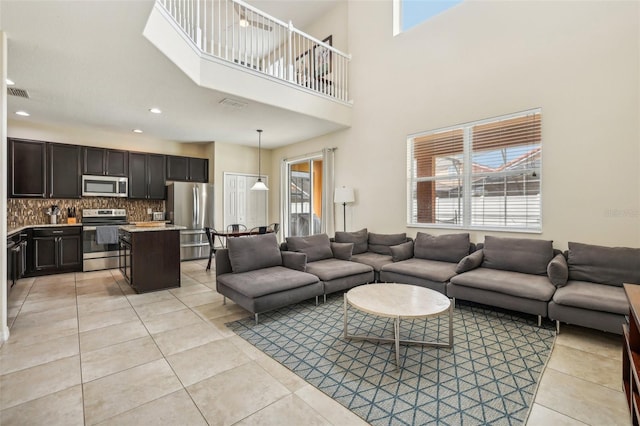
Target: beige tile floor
85 349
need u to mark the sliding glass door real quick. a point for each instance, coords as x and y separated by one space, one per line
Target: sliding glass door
303 206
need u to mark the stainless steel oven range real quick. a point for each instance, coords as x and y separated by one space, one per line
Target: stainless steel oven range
97 256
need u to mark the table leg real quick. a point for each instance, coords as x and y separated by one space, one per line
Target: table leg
451 324
396 329
345 315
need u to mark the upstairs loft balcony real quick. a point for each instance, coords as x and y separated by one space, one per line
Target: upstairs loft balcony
232 47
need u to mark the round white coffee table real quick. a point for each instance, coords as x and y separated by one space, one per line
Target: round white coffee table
398 301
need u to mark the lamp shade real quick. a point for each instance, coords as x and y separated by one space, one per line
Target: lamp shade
259 186
344 195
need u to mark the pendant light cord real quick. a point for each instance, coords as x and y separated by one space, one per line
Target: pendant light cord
259 154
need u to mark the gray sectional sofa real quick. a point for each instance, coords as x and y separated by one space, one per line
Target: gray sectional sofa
583 286
591 293
429 261
370 248
330 262
510 273
256 275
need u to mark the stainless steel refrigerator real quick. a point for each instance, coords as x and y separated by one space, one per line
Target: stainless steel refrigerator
191 205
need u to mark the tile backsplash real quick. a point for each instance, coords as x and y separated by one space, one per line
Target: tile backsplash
32 211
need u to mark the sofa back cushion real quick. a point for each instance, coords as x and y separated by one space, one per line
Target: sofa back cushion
380 243
444 248
524 255
358 238
254 252
317 247
604 265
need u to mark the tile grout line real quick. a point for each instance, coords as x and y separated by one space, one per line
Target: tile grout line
84 414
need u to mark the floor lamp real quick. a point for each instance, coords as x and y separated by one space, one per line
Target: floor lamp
343 196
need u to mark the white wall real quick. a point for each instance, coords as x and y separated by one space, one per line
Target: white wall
578 61
4 329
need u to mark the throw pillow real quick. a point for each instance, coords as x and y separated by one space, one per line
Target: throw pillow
558 271
317 247
604 265
254 252
380 243
524 255
470 262
402 251
293 260
342 251
358 238
445 248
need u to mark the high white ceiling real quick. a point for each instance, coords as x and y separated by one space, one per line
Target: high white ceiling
87 63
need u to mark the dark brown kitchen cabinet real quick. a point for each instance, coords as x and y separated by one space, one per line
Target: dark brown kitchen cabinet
56 250
63 166
104 162
187 169
146 176
27 176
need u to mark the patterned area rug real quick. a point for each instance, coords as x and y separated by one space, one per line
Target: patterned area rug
490 376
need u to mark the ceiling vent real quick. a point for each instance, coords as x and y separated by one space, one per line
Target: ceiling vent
233 103
14 91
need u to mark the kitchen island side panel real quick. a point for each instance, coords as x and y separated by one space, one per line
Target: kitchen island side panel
155 260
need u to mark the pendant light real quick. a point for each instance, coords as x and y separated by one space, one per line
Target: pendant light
259 185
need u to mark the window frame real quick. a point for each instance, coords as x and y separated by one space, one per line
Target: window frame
466 177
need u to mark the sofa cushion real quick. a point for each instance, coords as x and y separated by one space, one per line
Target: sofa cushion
342 251
265 281
402 251
331 269
317 247
557 270
470 262
595 297
517 284
254 252
524 255
380 243
375 260
604 265
294 260
445 248
358 238
433 270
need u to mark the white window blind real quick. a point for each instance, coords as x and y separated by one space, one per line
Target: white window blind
485 174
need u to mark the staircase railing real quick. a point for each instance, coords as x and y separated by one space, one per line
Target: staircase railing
239 33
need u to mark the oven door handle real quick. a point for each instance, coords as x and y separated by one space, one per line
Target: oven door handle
88 228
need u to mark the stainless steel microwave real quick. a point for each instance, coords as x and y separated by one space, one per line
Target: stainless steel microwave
104 186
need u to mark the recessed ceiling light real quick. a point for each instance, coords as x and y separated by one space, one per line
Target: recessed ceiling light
10 82
137 131
23 113
155 110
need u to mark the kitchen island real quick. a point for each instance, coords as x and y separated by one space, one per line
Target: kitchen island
149 256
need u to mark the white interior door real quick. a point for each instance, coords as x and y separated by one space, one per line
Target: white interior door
241 205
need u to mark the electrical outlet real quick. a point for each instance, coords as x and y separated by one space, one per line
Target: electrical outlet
149 210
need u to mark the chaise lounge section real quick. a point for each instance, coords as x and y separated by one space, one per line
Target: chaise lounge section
256 275
510 273
592 294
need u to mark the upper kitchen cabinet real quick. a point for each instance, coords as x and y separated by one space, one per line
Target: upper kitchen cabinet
187 169
105 162
64 171
27 177
146 176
